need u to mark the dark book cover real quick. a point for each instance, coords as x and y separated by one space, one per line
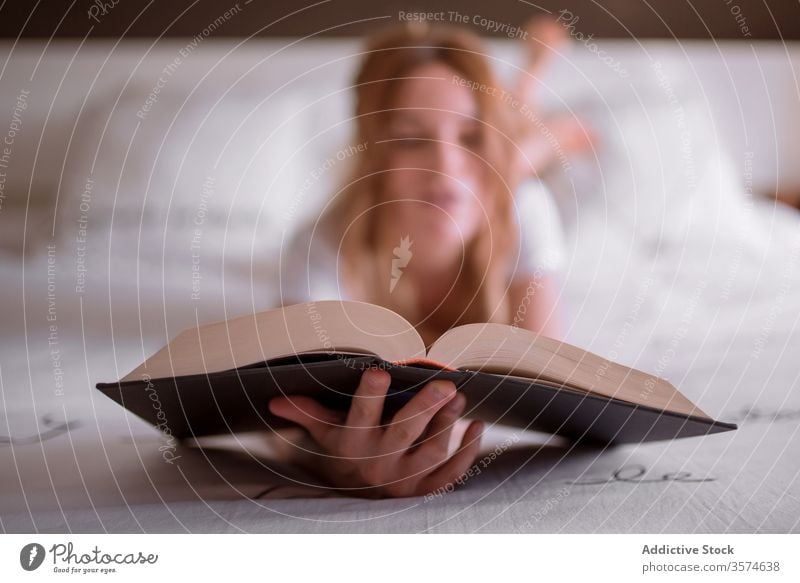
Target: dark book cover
237 400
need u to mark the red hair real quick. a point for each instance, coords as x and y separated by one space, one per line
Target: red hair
390 57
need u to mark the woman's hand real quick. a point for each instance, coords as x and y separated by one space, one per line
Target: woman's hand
407 457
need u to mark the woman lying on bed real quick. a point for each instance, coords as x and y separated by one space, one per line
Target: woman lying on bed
429 226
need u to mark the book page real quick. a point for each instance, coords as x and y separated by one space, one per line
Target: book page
501 349
332 326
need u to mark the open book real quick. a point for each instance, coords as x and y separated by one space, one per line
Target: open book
219 377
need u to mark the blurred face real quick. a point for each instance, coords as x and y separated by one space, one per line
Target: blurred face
433 183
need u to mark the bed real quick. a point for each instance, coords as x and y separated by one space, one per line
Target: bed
676 266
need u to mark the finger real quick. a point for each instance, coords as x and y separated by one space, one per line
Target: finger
358 436
434 445
440 429
367 404
410 421
307 413
458 465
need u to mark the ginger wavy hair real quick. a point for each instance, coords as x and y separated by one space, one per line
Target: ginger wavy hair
480 292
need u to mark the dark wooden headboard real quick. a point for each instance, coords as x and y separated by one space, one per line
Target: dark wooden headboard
683 19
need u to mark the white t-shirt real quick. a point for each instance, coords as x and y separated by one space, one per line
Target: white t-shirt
309 262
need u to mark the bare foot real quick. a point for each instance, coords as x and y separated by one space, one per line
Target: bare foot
544 38
572 134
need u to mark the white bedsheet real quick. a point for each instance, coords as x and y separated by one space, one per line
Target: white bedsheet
736 357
